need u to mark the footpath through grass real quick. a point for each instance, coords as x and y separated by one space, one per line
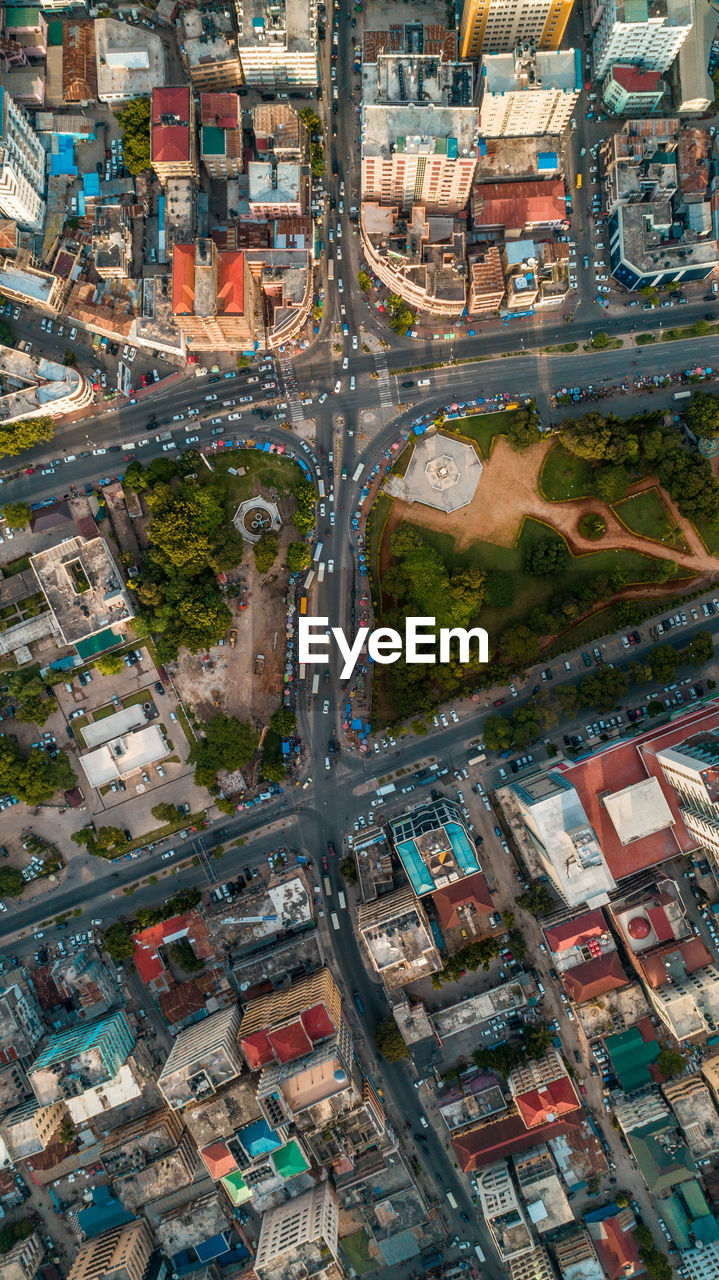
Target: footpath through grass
564 476
481 428
646 514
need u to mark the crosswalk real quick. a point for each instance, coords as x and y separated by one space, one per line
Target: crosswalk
297 413
384 385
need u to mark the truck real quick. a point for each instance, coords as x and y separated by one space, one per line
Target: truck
452 1200
318 552
479 1253
387 789
259 664
315 685
358 472
681 395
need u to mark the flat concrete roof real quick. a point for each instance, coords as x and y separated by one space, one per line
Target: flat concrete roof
639 810
125 755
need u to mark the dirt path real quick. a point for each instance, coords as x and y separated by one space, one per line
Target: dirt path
507 493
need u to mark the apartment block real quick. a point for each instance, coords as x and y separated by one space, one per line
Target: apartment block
563 839
204 1057
398 939
22 167
303 1230
210 48
277 42
221 134
531 1266
503 1213
173 143
119 1254
23 1260
528 94
112 241
497 26
628 90
208 297
692 768
419 133
641 33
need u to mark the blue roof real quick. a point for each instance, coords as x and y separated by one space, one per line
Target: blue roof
546 160
104 1212
91 184
258 1138
212 1248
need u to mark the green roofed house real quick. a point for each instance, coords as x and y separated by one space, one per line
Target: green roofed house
290 1160
236 1187
660 1152
688 1215
631 1056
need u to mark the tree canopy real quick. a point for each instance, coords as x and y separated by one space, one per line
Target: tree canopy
33 778
401 316
17 515
265 552
546 557
16 436
702 414
134 120
389 1042
109 664
298 557
228 744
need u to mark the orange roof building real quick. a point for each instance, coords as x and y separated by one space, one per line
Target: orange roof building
219 1160
547 1103
148 961
173 146
614 1242
595 978
208 297
519 207
464 905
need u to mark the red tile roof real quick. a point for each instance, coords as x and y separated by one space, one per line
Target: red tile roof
318 1023
477 1147
285 1043
170 143
549 1103
147 960
257 1049
472 891
694 953
516 205
171 101
636 81
219 1160
231 282
616 1247
595 977
290 1042
573 933
660 923
183 279
220 110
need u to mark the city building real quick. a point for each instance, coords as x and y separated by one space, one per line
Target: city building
112 241
173 141
21 1024
29 1128
517 210
702 1261
22 167
278 130
420 257
208 297
694 1107
204 1057
278 44
23 281
628 91
498 26
577 1258
464 909
210 49
83 568
302 1230
661 1155
221 134
123 1253
130 61
433 845
419 132
548 1207
81 981
542 1090
398 938
528 93
585 955
642 33
23 1260
691 767
91 1067
288 1024
486 280
277 189
531 1266
561 836
151 942
612 1232
502 1212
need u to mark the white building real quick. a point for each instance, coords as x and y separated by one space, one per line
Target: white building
502 1212
643 34
701 1262
22 167
563 839
304 1227
528 94
692 768
277 42
419 132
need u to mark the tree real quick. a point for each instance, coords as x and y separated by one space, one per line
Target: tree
600 340
298 557
498 733
663 662
265 552
671 1063
546 557
109 664
16 436
11 882
14 1231
283 721
348 869
701 649
389 1041
611 483
304 517
536 900
273 770
523 427
603 688
228 744
164 812
182 954
17 515
67 1132
109 837
134 120
702 415
498 589
364 281
118 942
401 316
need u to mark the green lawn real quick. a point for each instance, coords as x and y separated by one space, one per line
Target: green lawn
403 461
379 515
564 476
482 428
709 536
265 470
132 699
646 514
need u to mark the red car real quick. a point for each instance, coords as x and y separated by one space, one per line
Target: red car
500 702
325 864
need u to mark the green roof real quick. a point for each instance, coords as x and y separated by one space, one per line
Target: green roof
663 1159
98 643
22 15
694 1199
631 1058
289 1160
636 11
236 1187
677 1221
54 32
213 140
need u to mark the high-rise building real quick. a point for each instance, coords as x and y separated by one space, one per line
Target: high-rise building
419 132
278 42
22 167
122 1253
22 1262
692 768
559 833
498 26
204 1057
528 94
305 1228
173 145
641 34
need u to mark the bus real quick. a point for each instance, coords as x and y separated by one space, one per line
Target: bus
476 760
315 685
321 571
452 1200
327 885
331 269
335 921
318 552
309 579
321 488
303 670
341 900
358 472
479 1253
303 605
579 181
678 395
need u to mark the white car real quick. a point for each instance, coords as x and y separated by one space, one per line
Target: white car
455 717
330 566
325 707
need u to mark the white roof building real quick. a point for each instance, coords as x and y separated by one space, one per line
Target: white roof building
564 840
